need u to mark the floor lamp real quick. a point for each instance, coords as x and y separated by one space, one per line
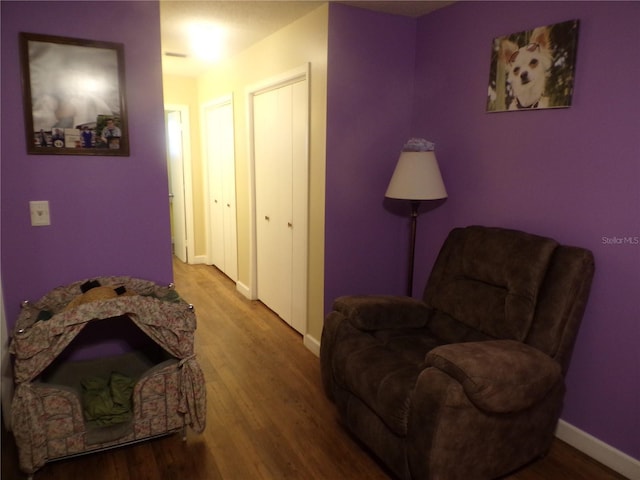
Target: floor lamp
416 178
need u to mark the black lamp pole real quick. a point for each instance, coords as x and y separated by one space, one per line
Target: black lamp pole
412 244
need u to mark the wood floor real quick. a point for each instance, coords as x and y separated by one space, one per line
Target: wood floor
267 416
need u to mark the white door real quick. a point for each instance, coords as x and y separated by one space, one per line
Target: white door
272 137
176 185
300 204
221 186
281 191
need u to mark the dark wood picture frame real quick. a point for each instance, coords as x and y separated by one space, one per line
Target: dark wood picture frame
74 96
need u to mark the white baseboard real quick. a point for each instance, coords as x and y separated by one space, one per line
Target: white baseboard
244 290
198 260
312 344
599 451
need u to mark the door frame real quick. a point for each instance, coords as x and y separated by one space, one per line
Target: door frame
187 175
301 73
218 102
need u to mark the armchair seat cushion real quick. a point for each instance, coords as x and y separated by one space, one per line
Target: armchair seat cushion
502 376
382 370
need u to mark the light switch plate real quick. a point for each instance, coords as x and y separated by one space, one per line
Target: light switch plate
40 215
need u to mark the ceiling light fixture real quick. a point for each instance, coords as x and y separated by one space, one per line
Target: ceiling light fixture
206 41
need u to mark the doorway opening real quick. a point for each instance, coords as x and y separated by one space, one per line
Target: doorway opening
180 181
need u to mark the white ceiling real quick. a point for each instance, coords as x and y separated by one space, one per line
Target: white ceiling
248 22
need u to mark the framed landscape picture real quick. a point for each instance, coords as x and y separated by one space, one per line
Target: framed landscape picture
74 96
533 69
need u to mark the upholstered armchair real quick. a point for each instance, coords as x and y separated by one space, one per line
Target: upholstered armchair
467 382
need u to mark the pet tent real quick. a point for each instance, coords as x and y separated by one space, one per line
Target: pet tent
45 328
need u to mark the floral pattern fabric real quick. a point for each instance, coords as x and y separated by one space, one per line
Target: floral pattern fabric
38 339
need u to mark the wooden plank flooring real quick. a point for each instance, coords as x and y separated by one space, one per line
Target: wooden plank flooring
267 416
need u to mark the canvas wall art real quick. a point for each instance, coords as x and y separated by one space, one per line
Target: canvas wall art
533 69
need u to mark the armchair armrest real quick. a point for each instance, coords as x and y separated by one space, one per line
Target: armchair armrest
499 376
375 312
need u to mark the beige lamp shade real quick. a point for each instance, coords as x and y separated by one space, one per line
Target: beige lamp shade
416 177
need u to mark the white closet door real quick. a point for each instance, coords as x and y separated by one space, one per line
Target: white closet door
285 203
299 206
228 174
281 166
272 149
216 212
219 138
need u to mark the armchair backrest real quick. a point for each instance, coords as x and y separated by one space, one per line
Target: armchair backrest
508 284
561 303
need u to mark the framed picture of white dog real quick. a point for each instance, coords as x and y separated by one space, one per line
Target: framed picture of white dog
533 69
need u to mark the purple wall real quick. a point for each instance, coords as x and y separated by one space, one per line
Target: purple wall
108 213
571 174
370 85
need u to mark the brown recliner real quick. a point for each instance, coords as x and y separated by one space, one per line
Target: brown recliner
467 383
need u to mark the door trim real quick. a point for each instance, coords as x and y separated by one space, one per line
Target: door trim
301 73
187 175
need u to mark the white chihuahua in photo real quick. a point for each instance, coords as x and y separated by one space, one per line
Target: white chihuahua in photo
528 69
